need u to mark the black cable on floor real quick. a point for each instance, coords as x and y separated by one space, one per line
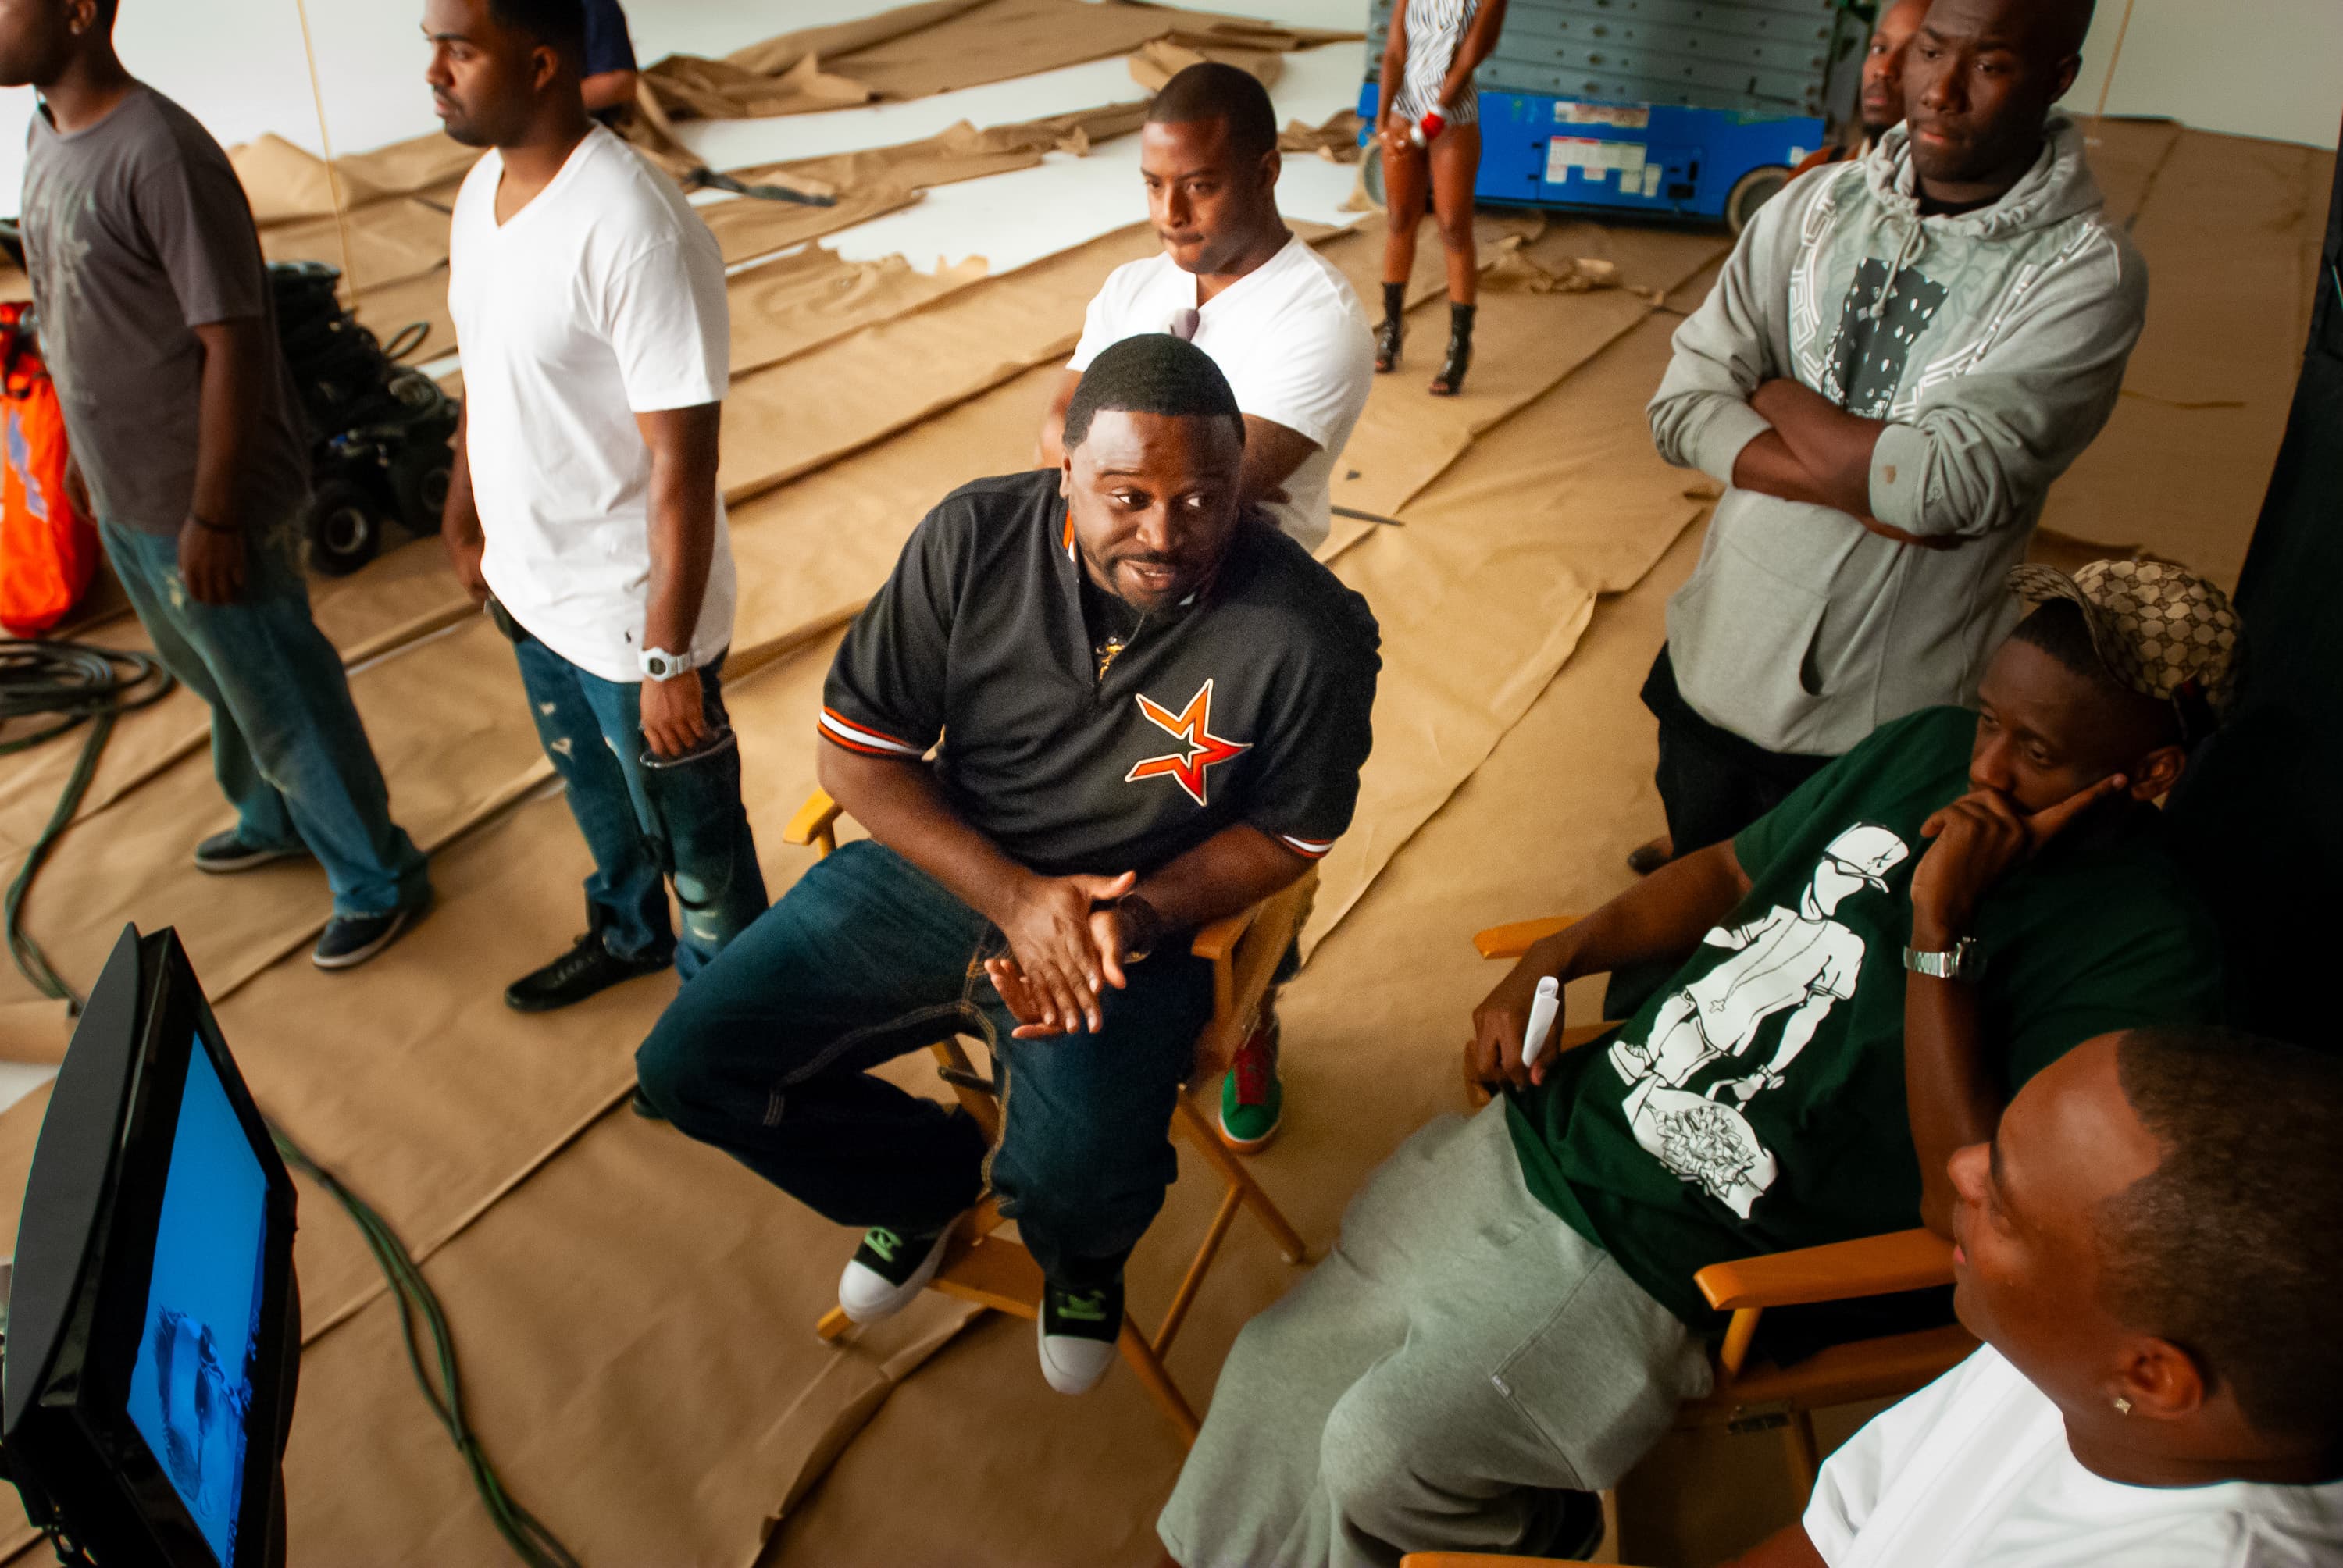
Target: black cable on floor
62 686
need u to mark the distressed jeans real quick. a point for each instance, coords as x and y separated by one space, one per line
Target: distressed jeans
768 1056
644 824
287 745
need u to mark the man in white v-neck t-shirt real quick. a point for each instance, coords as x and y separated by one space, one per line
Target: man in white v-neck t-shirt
1283 323
2148 1247
583 511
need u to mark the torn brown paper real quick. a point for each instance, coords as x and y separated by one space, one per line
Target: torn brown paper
1159 60
1334 138
805 298
286 184
389 242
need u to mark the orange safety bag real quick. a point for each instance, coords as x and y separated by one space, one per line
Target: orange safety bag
48 548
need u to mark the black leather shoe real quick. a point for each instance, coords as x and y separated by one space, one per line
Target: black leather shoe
585 969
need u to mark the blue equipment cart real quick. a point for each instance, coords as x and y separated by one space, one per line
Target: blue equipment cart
1687 108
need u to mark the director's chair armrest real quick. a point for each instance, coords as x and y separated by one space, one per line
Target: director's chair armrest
1884 1265
1512 941
816 822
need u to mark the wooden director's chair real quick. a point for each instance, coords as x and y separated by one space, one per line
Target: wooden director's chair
1757 1395
993 1271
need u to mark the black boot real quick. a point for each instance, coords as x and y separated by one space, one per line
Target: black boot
1451 379
1388 336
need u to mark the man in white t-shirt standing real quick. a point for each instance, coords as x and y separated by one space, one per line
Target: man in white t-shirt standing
1284 327
2147 1249
588 302
1287 330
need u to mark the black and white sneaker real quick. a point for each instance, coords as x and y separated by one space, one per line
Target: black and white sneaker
225 853
1080 1330
350 940
888 1271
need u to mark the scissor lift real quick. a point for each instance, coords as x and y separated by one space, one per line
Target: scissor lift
1687 108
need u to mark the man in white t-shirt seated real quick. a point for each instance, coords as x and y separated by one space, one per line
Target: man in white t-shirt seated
2147 1247
1284 327
583 512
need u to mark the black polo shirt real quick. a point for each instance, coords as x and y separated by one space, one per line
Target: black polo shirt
1247 703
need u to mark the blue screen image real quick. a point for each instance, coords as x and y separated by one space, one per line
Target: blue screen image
192 1385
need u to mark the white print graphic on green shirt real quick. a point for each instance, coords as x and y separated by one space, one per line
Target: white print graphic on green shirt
1802 963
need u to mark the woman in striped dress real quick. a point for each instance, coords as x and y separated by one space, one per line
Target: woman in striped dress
1435 47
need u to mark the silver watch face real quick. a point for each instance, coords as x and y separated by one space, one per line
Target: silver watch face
655 667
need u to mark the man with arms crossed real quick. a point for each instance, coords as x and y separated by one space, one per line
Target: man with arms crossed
1900 357
1287 330
2145 1245
588 302
160 330
1150 709
1509 1320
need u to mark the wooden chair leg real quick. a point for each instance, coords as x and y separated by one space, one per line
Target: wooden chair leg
1185 1296
1149 1368
1804 1454
1200 1132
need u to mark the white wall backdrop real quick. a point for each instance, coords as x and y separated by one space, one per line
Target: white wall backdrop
2270 68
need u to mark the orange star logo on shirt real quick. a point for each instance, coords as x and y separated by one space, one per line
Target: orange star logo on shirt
1200 748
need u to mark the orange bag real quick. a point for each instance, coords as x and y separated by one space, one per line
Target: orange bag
48 548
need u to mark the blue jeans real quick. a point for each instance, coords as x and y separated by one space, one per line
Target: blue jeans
287 745
644 824
768 1056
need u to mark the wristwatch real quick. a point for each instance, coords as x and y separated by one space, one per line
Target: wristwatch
659 664
1142 928
1963 960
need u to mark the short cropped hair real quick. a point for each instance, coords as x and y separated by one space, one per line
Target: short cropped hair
560 22
2057 626
1154 373
2228 1247
1213 91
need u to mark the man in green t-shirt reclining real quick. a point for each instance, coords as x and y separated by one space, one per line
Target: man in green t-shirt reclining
1509 1320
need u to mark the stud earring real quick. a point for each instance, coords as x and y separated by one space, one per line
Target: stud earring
2123 1405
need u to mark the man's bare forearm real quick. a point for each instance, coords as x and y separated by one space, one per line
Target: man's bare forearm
904 808
1831 444
1661 916
1231 872
683 446
1950 1099
235 361
1767 465
460 517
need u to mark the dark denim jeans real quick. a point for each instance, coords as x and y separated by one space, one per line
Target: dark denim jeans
768 1056
287 747
646 824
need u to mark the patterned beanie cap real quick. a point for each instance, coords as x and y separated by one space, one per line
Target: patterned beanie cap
2159 628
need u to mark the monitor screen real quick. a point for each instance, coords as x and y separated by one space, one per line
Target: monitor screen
191 1389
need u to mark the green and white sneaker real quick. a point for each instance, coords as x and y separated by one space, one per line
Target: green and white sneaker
1079 1331
1253 1098
888 1271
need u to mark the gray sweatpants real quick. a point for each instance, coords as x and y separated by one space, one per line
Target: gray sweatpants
1460 1356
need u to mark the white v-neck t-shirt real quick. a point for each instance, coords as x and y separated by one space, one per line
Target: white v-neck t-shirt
600 299
1290 337
1974 1472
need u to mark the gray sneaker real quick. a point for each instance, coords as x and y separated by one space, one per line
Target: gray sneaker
225 854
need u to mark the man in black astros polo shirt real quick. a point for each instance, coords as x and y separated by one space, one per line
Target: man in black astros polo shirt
1148 709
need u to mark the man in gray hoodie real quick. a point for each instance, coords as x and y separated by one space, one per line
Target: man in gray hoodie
1901 355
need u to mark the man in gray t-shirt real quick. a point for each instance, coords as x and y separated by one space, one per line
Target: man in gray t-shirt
155 316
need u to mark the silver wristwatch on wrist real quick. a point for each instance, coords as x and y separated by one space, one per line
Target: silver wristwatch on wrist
1963 960
659 664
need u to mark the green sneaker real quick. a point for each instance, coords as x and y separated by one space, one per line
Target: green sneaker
1253 1098
889 1270
1080 1331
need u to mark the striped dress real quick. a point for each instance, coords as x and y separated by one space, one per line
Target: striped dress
1435 31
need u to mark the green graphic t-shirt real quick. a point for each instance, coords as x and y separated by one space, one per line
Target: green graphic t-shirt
1756 1102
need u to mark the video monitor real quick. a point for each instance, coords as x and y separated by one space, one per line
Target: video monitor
147 1374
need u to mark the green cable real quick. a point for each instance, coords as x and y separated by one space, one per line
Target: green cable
68 684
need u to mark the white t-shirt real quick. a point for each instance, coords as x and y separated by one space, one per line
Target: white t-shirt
1291 337
600 299
1974 1472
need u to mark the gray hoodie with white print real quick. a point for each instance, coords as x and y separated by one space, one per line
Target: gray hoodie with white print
1995 355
